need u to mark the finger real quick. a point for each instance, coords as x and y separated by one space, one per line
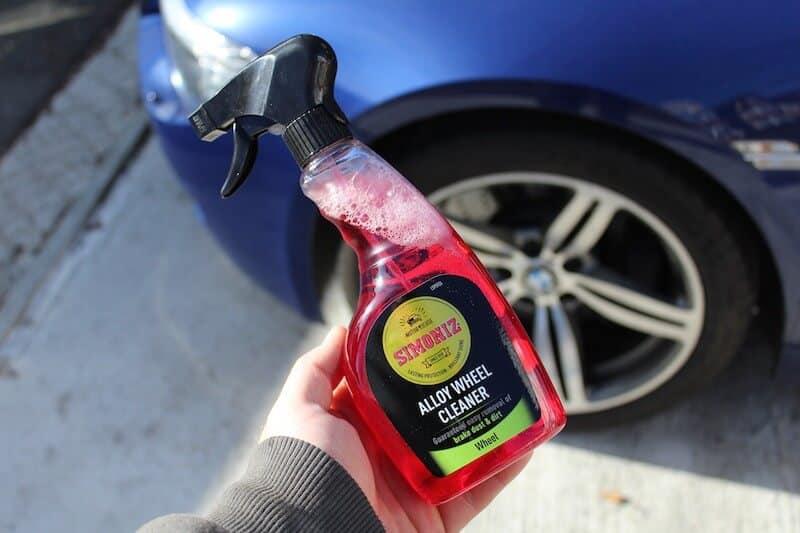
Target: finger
342 403
391 497
342 406
457 513
315 373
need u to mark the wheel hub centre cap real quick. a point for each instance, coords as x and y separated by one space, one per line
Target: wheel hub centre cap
541 280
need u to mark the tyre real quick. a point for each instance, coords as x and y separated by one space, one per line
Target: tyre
633 287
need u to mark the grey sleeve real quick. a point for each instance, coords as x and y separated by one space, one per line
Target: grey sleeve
289 485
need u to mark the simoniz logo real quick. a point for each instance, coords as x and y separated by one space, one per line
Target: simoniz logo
428 340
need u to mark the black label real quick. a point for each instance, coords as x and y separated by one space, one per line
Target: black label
443 369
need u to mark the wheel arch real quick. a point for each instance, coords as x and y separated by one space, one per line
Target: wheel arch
412 120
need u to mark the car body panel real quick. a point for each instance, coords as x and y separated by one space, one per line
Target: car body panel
771 199
688 79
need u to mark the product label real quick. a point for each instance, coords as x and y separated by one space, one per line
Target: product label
445 372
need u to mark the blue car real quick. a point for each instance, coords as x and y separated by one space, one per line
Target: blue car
628 171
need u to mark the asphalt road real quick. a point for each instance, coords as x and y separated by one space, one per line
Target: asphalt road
41 43
145 367
60 162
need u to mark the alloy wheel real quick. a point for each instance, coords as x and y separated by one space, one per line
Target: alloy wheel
611 297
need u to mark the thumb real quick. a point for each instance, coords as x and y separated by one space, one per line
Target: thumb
316 373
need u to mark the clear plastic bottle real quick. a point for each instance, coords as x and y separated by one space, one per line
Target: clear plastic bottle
444 438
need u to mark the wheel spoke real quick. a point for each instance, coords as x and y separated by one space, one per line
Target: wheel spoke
490 260
568 356
591 230
635 300
481 240
584 230
544 346
633 309
566 221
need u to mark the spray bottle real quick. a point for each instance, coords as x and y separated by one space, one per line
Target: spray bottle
439 367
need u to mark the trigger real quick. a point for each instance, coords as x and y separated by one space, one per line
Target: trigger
245 149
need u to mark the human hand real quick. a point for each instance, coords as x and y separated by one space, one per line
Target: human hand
315 406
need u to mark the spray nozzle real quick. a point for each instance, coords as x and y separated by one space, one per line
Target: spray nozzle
287 91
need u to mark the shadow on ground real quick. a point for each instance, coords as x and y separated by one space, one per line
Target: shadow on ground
745 427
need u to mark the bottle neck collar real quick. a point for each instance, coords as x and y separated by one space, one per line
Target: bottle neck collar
312 132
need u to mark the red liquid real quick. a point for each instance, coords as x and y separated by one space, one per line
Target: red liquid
389 270
401 242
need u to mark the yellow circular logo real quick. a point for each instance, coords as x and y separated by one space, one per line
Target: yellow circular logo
426 340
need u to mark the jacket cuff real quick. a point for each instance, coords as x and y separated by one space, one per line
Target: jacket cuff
291 485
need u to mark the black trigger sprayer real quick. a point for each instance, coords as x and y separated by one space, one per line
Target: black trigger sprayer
287 91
